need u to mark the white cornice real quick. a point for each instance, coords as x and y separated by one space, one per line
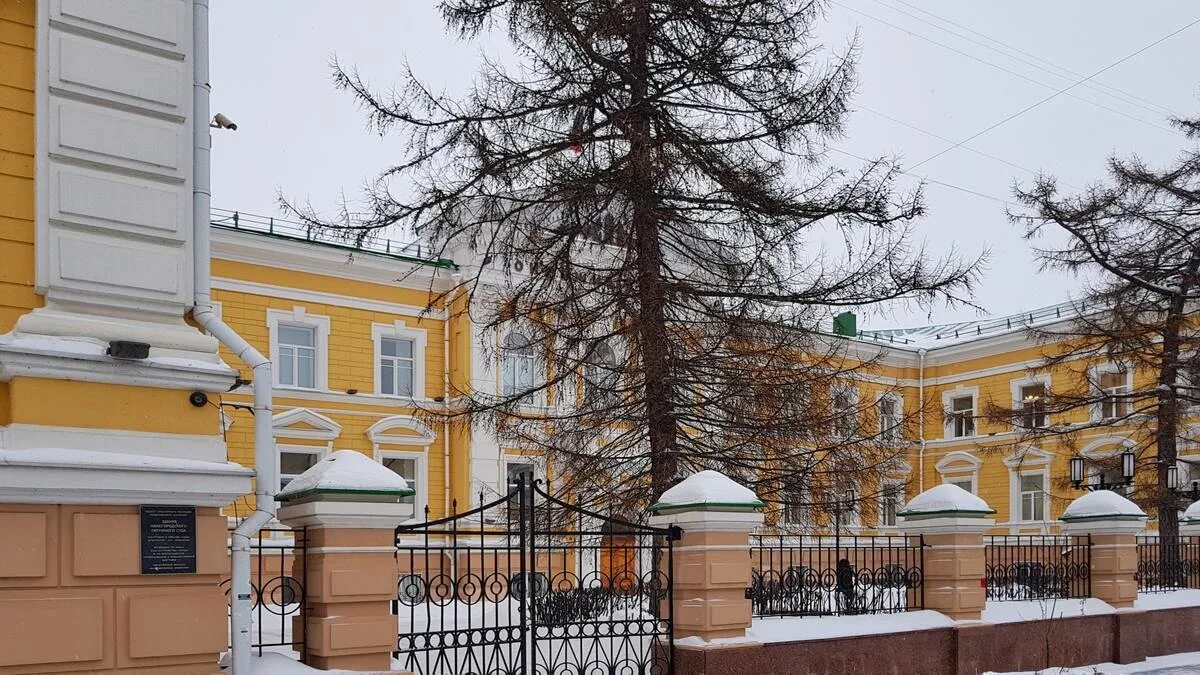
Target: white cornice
19 360
273 291
257 249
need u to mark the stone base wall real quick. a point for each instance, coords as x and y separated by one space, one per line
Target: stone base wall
966 649
73 599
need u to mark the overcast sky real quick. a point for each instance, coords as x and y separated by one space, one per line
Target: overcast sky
296 134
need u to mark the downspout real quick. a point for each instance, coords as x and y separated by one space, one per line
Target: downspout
456 278
921 419
266 462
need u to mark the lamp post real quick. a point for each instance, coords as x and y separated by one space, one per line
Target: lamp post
1175 488
1077 477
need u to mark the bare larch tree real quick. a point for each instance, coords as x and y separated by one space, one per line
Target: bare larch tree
657 169
1136 243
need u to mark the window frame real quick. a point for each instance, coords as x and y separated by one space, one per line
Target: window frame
1096 374
960 466
537 393
319 452
845 426
895 433
951 419
300 318
895 488
420 483
399 331
1016 387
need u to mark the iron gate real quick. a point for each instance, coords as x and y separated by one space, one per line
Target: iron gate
528 583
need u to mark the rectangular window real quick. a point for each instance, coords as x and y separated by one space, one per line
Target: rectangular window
889 419
1033 405
396 366
294 462
846 508
964 483
843 412
297 356
514 471
962 412
1033 497
795 506
1114 387
406 468
889 504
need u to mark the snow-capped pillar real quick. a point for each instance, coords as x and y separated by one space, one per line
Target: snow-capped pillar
712 562
349 507
951 523
1189 523
1113 523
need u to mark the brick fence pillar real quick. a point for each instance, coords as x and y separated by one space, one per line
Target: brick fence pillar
712 559
951 522
350 507
1113 523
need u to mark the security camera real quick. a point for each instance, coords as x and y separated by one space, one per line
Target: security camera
222 122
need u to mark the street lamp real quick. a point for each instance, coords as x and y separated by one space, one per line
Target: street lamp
1077 478
1174 486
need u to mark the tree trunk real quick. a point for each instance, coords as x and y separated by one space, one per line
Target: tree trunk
652 324
1167 431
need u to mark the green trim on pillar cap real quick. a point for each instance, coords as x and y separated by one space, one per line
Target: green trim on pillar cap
700 506
966 513
406 492
1103 516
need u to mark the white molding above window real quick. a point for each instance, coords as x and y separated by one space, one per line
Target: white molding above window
299 317
1027 456
960 467
423 436
400 331
324 429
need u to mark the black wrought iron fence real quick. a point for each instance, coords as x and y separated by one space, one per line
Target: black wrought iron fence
1037 567
1167 563
277 580
795 575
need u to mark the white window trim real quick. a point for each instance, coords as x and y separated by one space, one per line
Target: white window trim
951 469
535 399
899 401
508 457
1027 460
299 317
855 422
1094 374
947 398
321 452
1015 388
421 458
399 330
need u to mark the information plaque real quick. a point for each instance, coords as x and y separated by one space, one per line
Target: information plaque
168 539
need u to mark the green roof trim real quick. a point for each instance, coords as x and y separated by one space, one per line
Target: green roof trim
1103 516
741 506
943 512
406 492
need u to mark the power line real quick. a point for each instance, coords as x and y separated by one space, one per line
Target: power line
1099 87
1004 69
1057 93
934 181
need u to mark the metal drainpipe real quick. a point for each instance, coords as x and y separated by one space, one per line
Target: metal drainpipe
455 278
921 418
266 462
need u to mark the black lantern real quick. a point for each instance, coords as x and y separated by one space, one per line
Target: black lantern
1127 471
1192 492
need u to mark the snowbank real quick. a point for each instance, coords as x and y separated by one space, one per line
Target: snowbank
1100 504
1184 597
945 498
1192 514
279 664
1010 611
96 459
1172 664
347 471
796 628
708 487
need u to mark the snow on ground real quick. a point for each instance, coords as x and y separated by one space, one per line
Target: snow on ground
1101 503
795 628
1184 597
946 497
278 664
708 487
1010 611
1187 663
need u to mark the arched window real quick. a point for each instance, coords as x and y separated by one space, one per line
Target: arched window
517 363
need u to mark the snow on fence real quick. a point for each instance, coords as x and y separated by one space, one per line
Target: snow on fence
813 576
1167 563
1037 567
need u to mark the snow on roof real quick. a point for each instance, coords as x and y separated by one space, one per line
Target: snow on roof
95 459
941 335
1102 504
945 498
707 487
346 471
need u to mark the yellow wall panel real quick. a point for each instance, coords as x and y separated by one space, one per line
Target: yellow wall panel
105 406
